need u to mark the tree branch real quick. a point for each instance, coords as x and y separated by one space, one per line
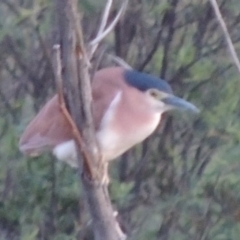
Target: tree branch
226 34
77 92
103 32
59 84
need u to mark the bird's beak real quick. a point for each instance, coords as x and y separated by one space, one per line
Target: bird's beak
174 102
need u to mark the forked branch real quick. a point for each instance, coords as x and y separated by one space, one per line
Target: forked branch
57 68
105 16
103 30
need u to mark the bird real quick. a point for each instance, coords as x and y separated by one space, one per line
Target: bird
127 107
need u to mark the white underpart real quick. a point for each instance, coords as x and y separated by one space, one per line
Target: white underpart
114 144
67 152
107 138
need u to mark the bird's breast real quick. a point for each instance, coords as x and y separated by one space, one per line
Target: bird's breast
123 128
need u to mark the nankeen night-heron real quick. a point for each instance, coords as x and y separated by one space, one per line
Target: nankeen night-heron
127 108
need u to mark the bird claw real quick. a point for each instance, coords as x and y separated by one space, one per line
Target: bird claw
105 180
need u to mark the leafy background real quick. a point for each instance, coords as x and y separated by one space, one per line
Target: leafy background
182 183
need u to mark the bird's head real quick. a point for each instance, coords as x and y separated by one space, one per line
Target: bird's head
167 101
159 91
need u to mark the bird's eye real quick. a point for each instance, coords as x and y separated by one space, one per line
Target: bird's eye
157 94
154 93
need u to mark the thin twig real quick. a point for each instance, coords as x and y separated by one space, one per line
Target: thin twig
105 16
103 24
119 61
226 33
111 26
58 72
94 43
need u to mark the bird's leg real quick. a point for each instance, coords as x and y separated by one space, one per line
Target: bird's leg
104 182
105 178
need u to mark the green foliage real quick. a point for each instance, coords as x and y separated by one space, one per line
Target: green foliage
120 192
185 187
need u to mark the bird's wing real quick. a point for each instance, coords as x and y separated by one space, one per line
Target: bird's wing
48 129
107 83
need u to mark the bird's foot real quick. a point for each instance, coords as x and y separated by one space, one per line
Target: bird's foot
103 170
105 179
